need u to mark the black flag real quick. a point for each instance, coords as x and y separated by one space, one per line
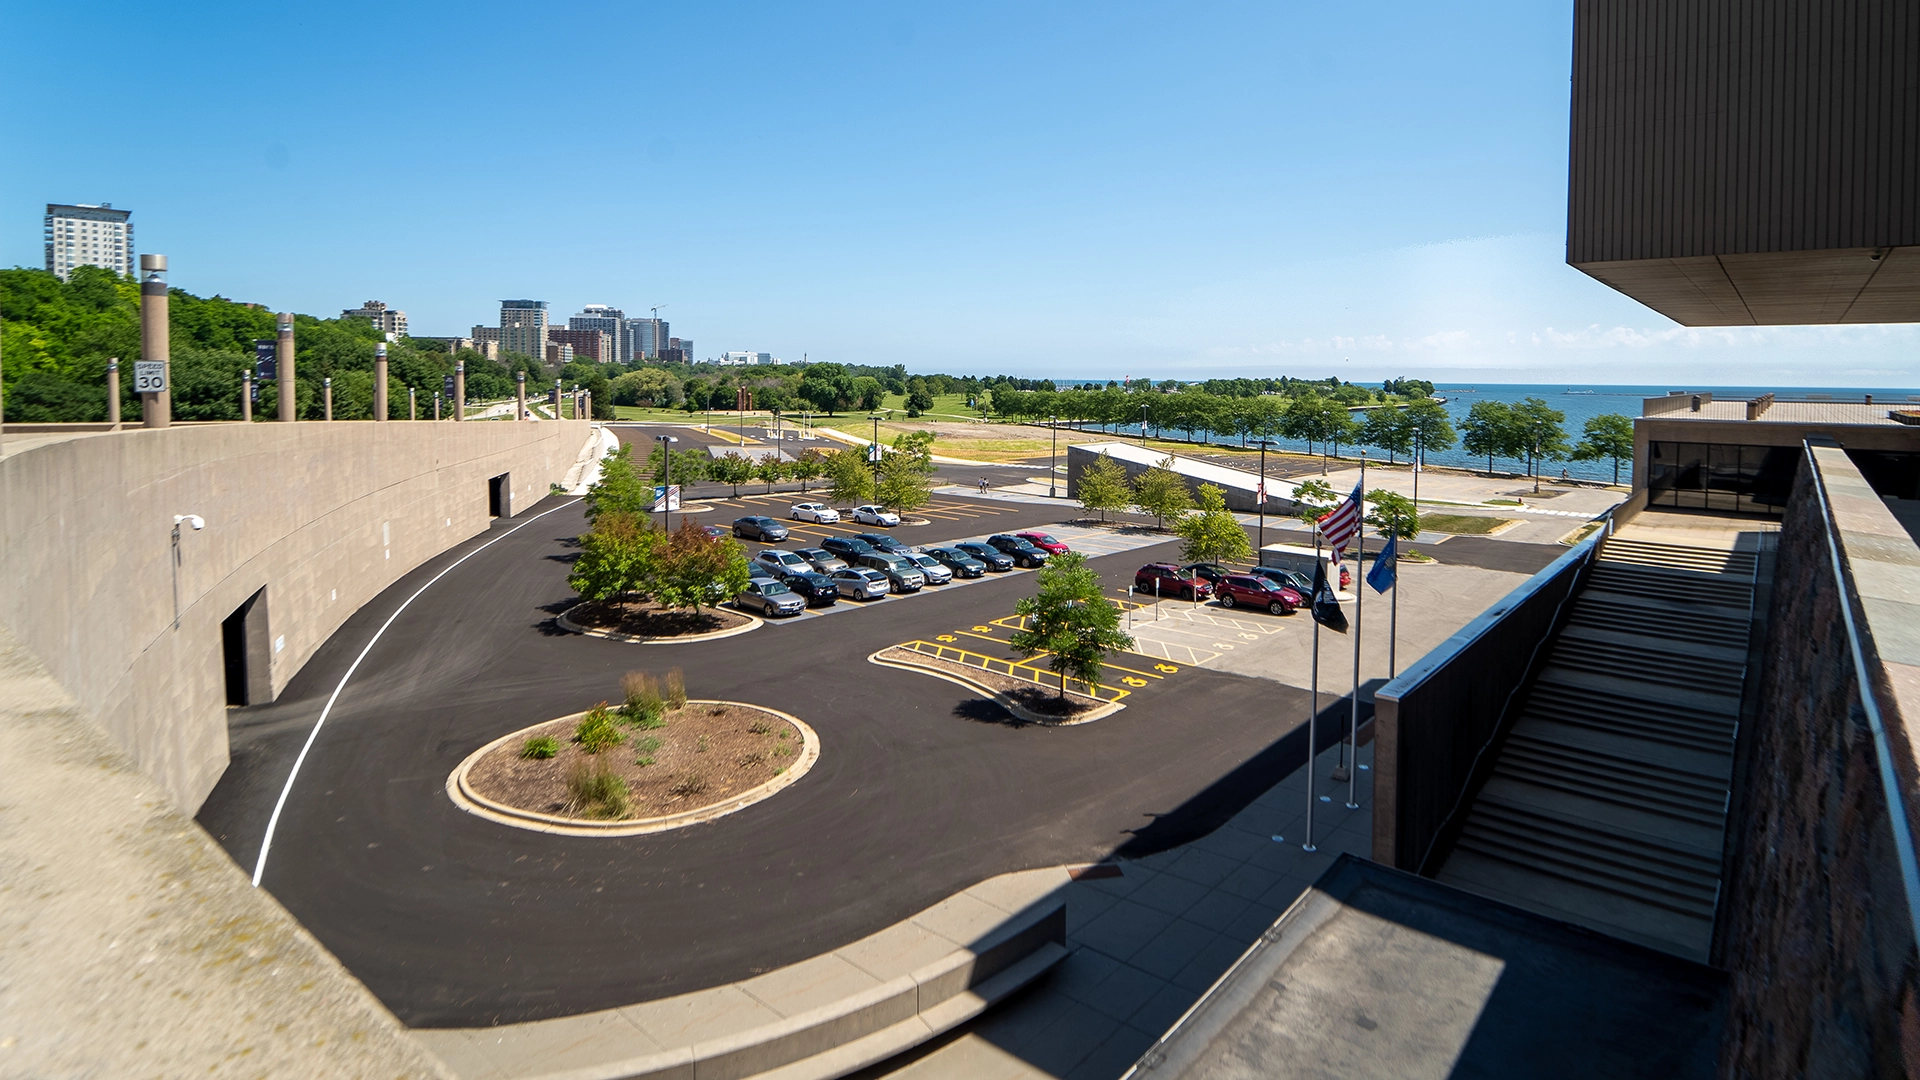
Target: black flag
1326 608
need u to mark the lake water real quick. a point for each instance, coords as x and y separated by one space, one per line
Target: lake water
1581 403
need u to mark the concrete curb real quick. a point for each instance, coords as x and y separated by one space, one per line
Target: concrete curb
564 623
820 1018
479 805
1000 699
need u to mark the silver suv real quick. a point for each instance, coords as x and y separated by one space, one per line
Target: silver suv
930 566
783 563
905 574
860 583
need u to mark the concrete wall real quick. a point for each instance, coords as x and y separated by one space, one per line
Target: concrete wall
1816 925
1238 487
321 516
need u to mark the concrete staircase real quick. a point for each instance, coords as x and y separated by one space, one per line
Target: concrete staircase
1607 805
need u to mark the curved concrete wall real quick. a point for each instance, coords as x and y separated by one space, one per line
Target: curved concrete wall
321 517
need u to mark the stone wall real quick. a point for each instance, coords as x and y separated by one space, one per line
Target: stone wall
1815 924
315 518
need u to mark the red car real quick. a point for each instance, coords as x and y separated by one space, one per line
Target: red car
1165 579
1044 542
1236 590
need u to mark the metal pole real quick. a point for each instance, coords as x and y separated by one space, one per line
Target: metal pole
436 404
176 575
875 452
156 409
413 405
380 404
1053 466
326 386
1359 613
1143 427
1313 708
246 395
459 402
1260 495
113 393
520 395
283 369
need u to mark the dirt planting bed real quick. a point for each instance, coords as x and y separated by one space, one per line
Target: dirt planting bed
1032 697
646 619
702 754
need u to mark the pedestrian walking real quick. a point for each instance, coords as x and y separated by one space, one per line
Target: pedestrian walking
983 485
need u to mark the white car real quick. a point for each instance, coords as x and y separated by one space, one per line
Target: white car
874 515
820 512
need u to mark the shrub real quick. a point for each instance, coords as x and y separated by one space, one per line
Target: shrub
596 731
676 689
644 760
760 727
647 745
690 784
597 792
540 747
702 747
643 706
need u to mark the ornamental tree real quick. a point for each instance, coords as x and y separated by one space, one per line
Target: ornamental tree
1103 487
1163 493
1606 436
1071 620
1213 535
692 569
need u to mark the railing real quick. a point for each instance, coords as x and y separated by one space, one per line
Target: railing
1436 724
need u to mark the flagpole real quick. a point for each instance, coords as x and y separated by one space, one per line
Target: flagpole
1313 709
1359 614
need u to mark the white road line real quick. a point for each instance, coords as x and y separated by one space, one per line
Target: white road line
266 843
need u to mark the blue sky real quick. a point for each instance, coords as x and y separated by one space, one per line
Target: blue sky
1088 190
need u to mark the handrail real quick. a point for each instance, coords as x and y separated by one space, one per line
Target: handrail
1903 841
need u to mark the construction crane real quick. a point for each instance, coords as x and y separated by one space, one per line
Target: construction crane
656 310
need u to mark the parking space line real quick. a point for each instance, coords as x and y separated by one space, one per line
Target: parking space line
1002 667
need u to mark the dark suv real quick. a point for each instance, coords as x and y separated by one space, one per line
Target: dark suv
992 557
763 529
883 542
1022 552
846 547
1165 579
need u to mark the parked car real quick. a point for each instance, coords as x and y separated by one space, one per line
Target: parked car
770 598
759 571
961 563
883 542
1297 581
815 588
930 566
716 530
875 515
1213 573
994 560
903 572
1166 579
819 512
860 583
1044 542
1022 552
846 547
763 529
781 562
1251 590
823 560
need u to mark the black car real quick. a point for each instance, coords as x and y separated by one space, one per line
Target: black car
1211 573
883 542
1022 552
1292 579
961 563
763 529
816 588
846 547
994 560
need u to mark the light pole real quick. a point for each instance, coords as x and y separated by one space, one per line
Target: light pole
873 452
666 476
1260 497
326 386
196 523
1054 466
1143 427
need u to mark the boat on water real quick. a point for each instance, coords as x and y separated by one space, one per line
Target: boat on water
1571 390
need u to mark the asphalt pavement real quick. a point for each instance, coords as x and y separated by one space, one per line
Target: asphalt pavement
922 789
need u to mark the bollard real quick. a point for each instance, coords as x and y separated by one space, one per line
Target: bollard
113 393
246 395
459 390
283 362
156 407
436 404
326 386
520 395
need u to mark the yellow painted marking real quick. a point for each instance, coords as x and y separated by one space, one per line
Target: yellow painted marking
1168 668
946 637
1004 667
983 629
1132 680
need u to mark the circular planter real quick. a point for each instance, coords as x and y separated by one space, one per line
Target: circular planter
463 794
561 620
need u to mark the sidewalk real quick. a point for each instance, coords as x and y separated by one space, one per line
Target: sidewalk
1144 945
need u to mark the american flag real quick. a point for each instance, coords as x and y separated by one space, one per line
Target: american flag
1342 524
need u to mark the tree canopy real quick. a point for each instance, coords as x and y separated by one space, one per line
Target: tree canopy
1071 620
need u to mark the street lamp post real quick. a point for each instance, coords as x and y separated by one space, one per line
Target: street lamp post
1143 427
666 476
873 452
1260 497
1053 466
196 523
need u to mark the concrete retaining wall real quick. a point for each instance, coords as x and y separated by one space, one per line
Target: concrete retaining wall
316 518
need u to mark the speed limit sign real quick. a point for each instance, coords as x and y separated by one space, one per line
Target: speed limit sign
150 376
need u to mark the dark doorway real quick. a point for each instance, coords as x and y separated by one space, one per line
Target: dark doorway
500 496
243 644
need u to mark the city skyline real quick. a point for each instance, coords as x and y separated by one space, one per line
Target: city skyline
1363 194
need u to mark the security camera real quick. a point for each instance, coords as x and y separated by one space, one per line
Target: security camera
192 521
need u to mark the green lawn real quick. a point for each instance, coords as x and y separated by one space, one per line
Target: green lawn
1464 524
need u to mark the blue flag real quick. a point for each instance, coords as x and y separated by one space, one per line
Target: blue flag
1384 571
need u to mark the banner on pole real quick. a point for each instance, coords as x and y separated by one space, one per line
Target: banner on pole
666 498
1385 571
1326 606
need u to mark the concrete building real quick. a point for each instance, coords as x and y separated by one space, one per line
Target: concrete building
385 319
81 234
649 336
595 345
610 320
749 358
452 344
523 327
558 354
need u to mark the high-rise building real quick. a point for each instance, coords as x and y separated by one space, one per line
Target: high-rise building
595 345
686 350
81 234
386 320
523 327
649 336
612 321
559 353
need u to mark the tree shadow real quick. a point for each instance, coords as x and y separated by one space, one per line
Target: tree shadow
987 711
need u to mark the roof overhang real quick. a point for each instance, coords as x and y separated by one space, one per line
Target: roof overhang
1780 288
